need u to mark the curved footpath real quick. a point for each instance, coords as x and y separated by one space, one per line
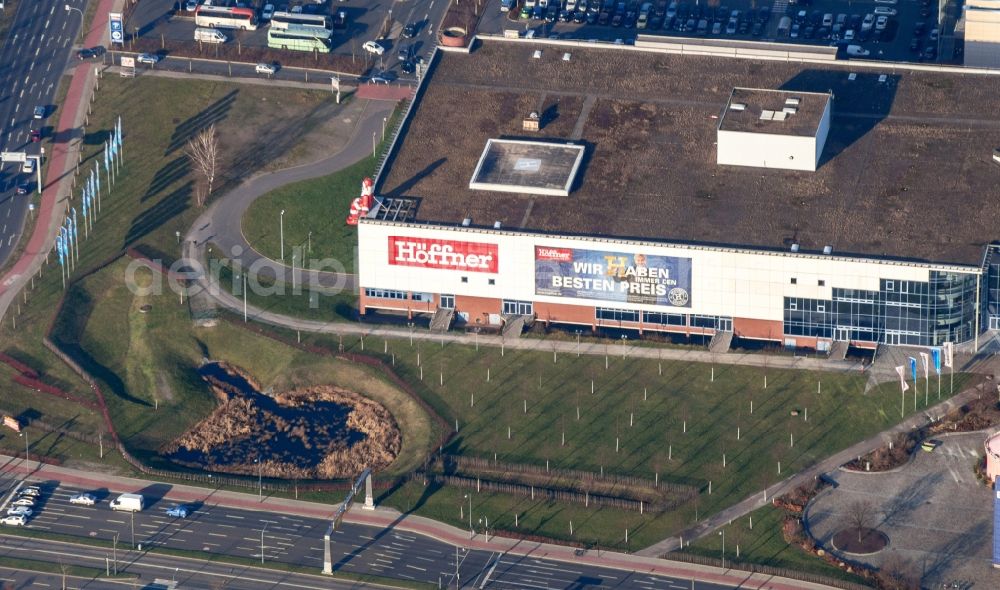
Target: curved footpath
222 225
389 518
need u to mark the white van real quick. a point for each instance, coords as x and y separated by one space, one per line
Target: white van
885 11
207 35
129 503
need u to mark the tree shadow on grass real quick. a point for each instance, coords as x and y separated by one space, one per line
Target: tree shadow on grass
171 172
165 209
212 114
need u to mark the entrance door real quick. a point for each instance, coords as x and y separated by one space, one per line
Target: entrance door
447 302
724 324
994 322
892 338
842 334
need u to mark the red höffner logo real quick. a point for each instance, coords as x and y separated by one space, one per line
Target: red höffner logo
444 254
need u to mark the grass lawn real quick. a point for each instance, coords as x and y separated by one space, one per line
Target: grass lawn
302 304
680 431
318 206
154 196
764 545
148 361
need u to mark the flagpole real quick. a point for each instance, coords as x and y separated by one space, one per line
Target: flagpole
939 386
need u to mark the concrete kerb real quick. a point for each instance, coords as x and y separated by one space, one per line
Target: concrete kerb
321 73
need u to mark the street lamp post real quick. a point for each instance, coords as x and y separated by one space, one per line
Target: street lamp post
293 269
69 8
132 514
260 481
262 542
281 229
469 496
310 242
723 533
384 121
24 433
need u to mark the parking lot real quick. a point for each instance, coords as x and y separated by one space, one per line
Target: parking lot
908 32
934 511
354 22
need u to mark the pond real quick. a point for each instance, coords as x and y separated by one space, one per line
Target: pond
317 432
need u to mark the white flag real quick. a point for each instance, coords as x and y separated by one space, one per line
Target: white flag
949 354
925 358
902 377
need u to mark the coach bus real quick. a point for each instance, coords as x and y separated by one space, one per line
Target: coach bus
299 38
281 20
224 17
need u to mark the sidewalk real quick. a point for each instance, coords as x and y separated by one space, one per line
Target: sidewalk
59 176
389 518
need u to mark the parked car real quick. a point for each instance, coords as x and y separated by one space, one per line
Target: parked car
178 511
148 58
23 189
35 135
39 112
373 47
410 31
267 12
881 23
407 67
296 10
24 501
28 167
266 68
89 53
885 11
857 51
33 491
19 510
83 499
190 6
14 520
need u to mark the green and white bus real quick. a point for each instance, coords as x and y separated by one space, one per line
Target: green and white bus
299 38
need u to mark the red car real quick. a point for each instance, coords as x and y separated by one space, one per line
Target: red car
36 135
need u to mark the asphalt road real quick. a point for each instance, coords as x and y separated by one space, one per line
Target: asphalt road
297 540
34 56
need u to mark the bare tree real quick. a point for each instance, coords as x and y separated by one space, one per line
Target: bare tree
203 149
860 514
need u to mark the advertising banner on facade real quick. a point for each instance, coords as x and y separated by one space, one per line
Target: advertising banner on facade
117 26
443 254
613 276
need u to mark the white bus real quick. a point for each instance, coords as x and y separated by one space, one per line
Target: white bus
224 17
280 21
299 38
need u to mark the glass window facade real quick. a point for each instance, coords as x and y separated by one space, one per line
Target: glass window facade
617 315
668 319
991 288
900 312
385 294
513 307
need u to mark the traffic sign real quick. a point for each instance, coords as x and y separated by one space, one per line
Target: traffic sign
128 62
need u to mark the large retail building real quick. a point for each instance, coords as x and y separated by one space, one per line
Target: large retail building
797 203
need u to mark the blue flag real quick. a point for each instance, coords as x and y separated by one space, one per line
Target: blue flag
913 367
119 132
73 227
107 157
60 250
97 177
84 200
936 355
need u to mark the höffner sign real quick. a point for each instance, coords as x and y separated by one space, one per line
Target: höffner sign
442 254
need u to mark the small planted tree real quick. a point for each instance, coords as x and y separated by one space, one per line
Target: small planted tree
860 514
203 150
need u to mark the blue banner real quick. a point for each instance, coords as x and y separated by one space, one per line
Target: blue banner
913 368
117 26
613 276
936 355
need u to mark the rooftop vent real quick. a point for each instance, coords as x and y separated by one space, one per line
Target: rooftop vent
882 78
795 247
565 57
792 102
532 122
852 76
738 106
779 116
537 54
467 222
996 155
496 225
827 250
789 110
766 115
